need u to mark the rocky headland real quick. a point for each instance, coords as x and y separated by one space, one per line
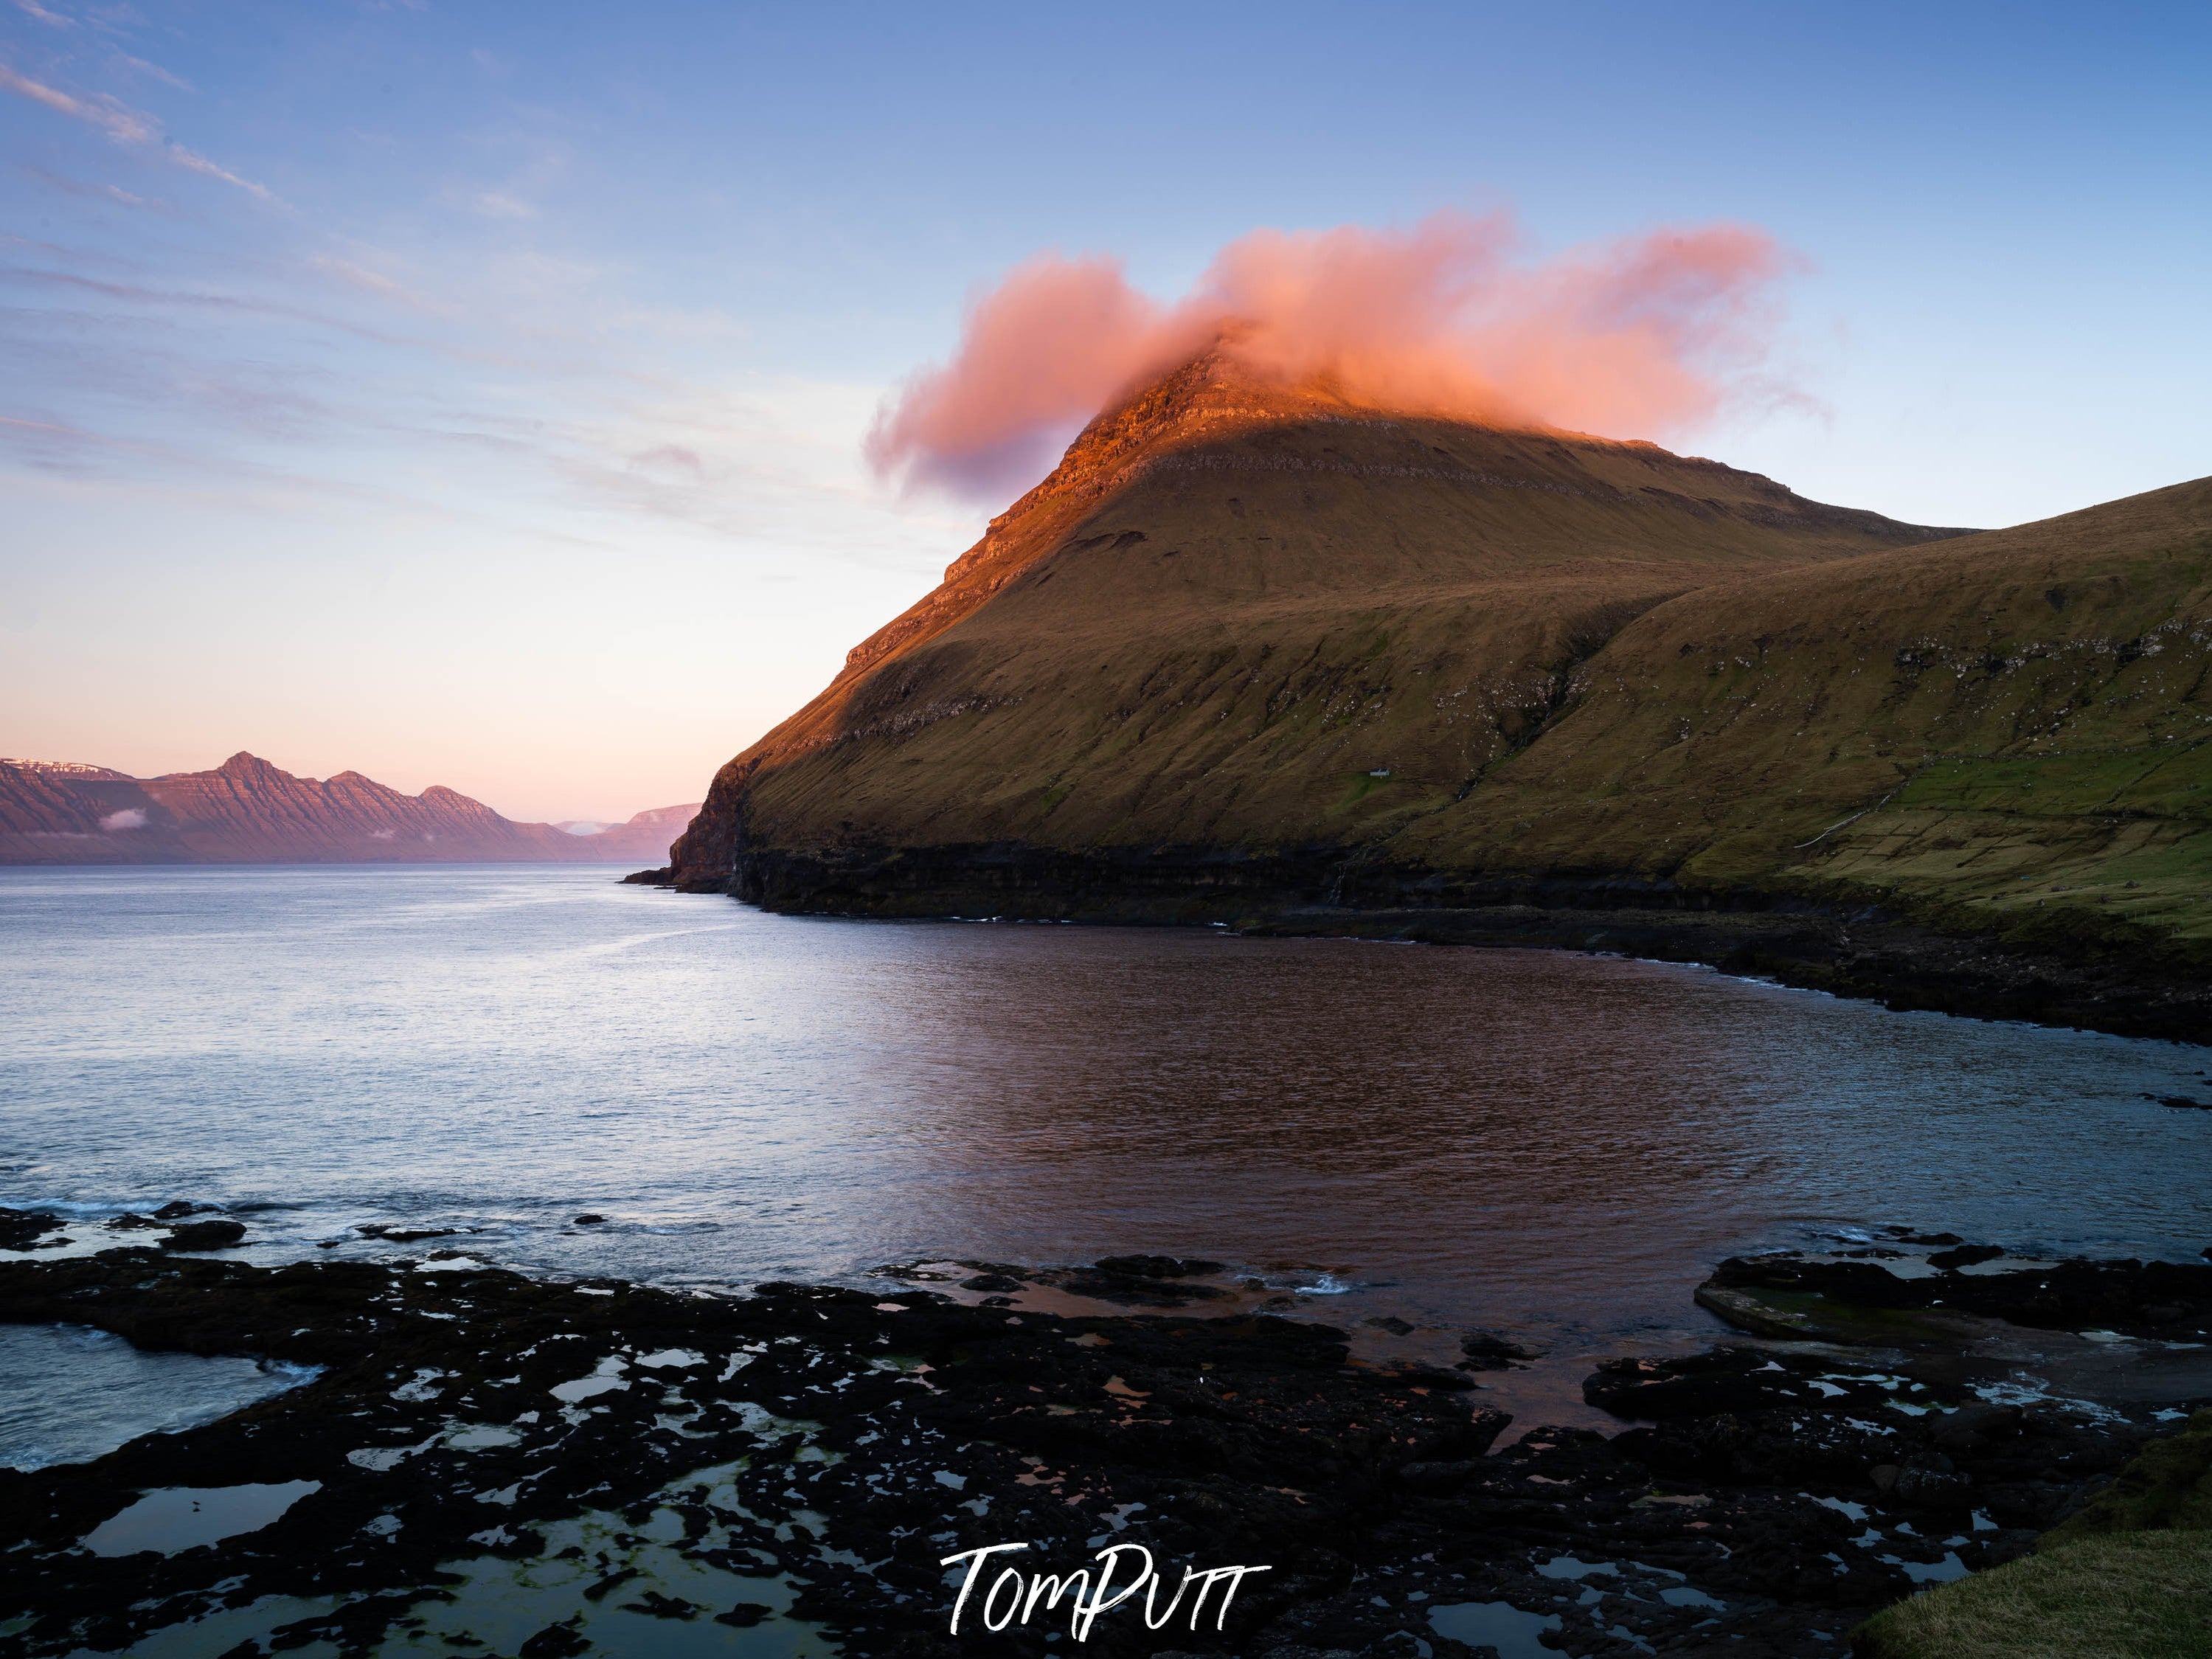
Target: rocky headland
1255 655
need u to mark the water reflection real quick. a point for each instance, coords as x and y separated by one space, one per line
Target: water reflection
1464 1137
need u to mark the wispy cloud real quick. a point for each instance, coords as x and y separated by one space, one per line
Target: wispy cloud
158 73
94 190
369 280
33 8
198 163
119 121
125 125
671 458
58 446
142 294
497 205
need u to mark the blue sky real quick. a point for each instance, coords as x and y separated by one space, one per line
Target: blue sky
473 394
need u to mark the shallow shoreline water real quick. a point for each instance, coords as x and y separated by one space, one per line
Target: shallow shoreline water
71 1393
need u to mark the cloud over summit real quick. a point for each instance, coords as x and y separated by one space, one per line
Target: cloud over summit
1640 336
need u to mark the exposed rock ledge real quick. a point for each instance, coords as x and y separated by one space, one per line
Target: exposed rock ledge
512 1466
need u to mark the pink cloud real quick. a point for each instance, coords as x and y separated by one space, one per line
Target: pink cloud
119 121
1043 351
1639 337
125 125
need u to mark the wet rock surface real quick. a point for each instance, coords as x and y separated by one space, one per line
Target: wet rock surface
2166 1300
24 1230
1131 1281
203 1236
806 1457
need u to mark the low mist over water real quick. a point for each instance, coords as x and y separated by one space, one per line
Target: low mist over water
1544 1140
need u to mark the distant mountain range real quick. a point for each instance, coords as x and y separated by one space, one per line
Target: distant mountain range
248 811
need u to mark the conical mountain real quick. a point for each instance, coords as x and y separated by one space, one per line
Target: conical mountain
1244 622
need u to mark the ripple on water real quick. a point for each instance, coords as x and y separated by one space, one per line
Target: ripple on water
1535 1141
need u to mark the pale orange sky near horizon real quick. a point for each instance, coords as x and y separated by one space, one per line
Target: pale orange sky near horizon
478 396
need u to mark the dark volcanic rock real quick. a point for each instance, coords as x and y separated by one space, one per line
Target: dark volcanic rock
1966 1255
20 1229
2181 1103
1433 1376
2166 1299
555 1641
1154 1281
391 1235
1703 1385
1486 1350
203 1236
1157 1267
472 1414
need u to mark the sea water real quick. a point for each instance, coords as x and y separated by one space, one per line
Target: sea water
1558 1144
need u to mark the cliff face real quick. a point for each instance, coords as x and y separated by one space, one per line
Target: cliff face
1245 619
248 811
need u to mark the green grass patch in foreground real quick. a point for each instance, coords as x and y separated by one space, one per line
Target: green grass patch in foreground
2124 1596
2168 1484
2128 1577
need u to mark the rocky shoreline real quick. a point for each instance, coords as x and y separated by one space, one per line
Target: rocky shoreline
1847 949
488 1463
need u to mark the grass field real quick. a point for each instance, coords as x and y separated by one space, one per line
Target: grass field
2131 1595
2128 1577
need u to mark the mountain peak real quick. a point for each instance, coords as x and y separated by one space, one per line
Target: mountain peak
1214 532
1208 396
77 769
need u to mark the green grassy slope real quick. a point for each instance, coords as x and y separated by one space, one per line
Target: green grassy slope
1256 620
2001 724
